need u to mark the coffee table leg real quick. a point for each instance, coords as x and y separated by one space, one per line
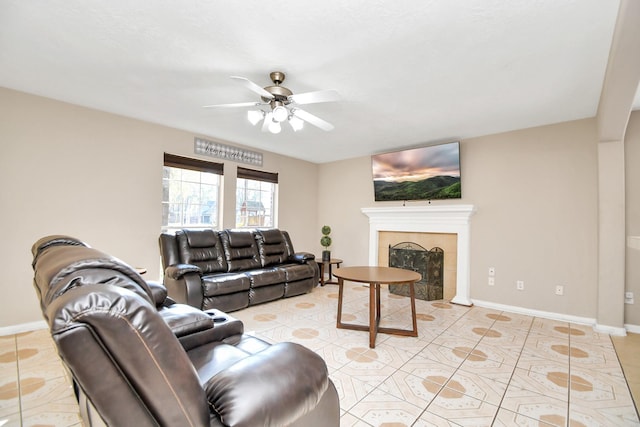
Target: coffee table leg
339 319
378 302
373 327
412 293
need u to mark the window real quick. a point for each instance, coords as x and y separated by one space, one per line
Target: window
256 195
190 193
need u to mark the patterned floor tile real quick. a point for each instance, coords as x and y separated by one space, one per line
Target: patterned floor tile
350 389
382 409
468 366
547 382
534 405
57 414
9 394
616 415
10 418
477 386
417 390
368 370
348 420
491 369
35 391
427 419
518 322
506 418
462 409
436 355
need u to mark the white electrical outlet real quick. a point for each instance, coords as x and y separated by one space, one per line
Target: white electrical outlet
492 281
628 298
559 290
520 285
492 271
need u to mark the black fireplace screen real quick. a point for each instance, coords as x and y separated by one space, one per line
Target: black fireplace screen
429 263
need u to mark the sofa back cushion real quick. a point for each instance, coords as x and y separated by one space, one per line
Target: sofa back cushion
271 247
287 242
202 248
240 250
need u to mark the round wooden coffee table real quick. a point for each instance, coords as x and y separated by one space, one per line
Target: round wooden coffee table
375 276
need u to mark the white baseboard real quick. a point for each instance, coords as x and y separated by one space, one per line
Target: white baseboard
634 329
611 330
605 329
23 327
537 313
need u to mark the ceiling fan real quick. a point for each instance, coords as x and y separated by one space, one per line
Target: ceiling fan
279 104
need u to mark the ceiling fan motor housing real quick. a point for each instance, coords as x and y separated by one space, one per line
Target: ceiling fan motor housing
280 93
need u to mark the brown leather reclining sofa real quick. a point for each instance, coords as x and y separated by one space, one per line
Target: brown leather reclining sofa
233 269
139 359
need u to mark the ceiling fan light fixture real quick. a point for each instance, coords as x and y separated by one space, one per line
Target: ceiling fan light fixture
274 127
296 123
255 116
280 113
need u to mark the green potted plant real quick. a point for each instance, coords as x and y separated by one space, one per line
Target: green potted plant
325 241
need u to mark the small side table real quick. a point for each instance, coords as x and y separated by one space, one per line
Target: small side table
322 264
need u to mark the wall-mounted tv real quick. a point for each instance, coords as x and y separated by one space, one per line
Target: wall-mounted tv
425 173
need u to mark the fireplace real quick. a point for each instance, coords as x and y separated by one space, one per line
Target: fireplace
453 219
428 262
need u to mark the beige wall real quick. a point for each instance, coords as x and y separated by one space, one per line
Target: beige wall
97 176
94 175
535 191
632 181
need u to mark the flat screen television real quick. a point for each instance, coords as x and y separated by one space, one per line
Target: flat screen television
425 173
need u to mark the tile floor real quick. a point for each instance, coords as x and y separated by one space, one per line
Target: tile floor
468 366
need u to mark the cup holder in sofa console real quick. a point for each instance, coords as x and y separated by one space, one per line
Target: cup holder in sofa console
224 325
218 319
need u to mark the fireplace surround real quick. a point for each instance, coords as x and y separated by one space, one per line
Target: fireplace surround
454 219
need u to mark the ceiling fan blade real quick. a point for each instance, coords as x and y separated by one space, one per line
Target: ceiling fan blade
267 120
314 120
238 104
253 87
315 97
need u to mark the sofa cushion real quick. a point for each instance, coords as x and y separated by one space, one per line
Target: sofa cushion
266 277
272 247
296 272
240 250
273 387
202 248
226 283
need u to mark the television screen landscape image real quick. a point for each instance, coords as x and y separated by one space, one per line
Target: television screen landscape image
425 173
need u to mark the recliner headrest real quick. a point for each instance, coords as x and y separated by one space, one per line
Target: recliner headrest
240 238
57 239
270 237
200 238
60 267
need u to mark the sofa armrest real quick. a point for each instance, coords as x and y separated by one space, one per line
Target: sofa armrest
303 257
184 284
176 271
185 320
158 291
275 386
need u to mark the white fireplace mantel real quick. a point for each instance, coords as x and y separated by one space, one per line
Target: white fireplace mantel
454 219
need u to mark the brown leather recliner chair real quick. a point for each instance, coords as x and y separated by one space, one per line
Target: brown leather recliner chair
136 358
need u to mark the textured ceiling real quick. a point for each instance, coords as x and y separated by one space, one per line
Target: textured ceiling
409 72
